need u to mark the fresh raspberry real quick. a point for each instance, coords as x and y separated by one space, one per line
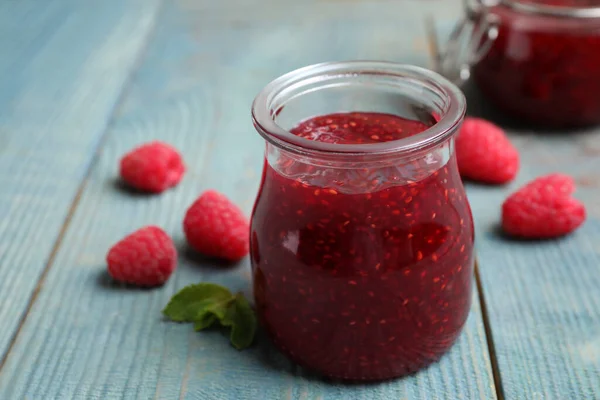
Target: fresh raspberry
153 167
543 208
484 153
147 257
216 227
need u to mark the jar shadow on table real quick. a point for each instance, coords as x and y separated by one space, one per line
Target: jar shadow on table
479 106
267 355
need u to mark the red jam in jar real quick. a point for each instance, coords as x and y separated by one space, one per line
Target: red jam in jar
362 259
544 64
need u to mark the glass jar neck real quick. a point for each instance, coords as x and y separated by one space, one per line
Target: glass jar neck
358 86
354 176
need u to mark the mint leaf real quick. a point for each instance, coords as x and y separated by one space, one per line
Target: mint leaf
205 304
191 302
229 316
243 322
206 321
210 313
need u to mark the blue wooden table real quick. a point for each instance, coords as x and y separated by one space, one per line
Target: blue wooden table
82 82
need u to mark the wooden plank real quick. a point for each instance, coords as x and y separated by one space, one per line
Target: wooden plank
63 66
87 338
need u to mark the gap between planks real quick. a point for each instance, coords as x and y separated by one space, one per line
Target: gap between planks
75 203
488 335
49 263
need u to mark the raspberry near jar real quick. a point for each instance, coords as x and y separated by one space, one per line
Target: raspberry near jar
361 234
540 61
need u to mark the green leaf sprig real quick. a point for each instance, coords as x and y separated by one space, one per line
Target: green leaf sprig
205 304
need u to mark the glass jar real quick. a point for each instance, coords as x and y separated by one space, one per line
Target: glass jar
362 254
537 60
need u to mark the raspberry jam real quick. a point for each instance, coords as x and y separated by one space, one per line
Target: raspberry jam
361 234
544 66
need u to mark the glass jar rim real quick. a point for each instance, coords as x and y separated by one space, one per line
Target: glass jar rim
546 10
450 119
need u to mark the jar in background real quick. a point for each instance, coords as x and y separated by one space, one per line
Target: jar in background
361 246
537 60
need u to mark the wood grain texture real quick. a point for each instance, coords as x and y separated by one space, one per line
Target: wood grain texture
86 338
62 69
